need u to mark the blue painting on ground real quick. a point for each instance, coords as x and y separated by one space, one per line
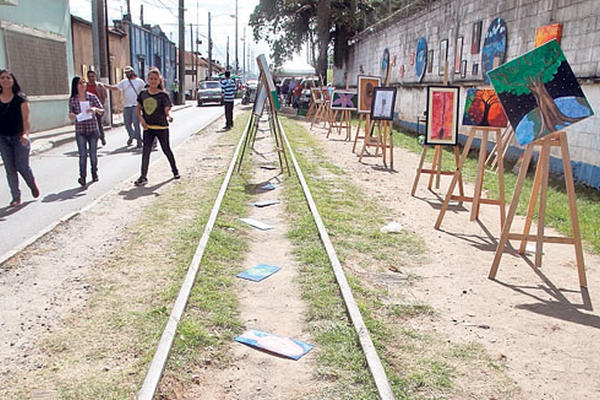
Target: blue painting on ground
283 346
258 272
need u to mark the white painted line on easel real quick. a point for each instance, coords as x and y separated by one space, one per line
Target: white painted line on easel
373 360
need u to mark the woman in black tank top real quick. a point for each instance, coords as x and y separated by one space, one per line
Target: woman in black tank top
14 136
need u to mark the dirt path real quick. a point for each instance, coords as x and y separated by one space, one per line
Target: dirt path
533 319
272 305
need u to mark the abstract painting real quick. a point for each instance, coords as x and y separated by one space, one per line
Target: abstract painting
384 99
494 47
280 345
344 100
443 56
258 272
483 108
458 54
539 93
546 33
421 59
476 37
366 86
385 62
430 61
442 115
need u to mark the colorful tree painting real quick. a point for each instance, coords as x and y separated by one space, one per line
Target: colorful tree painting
546 33
483 108
539 93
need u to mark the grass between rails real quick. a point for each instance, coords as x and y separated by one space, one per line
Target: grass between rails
419 365
557 209
103 352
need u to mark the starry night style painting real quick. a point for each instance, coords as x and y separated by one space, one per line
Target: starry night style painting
539 93
493 53
421 59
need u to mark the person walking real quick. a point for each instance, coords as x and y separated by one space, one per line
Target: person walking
228 87
154 112
14 136
131 87
83 108
101 94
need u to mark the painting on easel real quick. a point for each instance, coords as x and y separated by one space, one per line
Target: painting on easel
317 95
483 108
547 33
345 100
539 93
366 86
384 99
442 115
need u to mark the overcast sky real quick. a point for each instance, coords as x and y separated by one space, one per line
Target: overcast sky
165 14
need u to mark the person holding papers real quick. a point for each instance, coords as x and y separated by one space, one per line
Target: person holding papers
83 108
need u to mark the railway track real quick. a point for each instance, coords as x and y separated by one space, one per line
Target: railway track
154 374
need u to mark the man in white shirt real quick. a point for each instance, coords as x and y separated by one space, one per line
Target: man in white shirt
131 88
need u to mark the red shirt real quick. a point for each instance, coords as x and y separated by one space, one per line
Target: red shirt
92 88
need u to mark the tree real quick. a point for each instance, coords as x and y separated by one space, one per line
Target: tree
485 109
527 75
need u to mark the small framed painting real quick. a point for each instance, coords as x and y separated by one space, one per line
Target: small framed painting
442 115
475 69
366 85
458 55
443 56
344 100
463 69
382 107
476 37
317 95
430 61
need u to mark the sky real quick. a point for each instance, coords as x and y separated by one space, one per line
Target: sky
165 14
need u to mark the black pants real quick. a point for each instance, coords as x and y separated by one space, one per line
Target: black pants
229 114
163 137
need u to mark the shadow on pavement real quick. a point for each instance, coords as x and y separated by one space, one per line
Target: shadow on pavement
139 191
6 211
68 194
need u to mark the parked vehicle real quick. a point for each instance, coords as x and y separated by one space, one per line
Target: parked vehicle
249 95
209 92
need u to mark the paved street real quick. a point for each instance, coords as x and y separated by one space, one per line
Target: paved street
57 170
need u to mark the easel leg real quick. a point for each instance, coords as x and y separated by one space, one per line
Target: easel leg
436 150
511 211
332 123
500 172
545 160
383 139
457 158
480 174
348 126
531 208
570 187
419 168
360 120
391 146
438 172
456 178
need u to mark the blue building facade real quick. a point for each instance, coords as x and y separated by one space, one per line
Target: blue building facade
150 47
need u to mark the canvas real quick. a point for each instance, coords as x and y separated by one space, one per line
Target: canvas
263 66
546 33
442 115
258 272
317 95
539 93
483 108
475 69
385 61
476 37
261 97
458 55
421 59
280 345
430 61
463 69
443 56
344 100
366 85
494 47
384 99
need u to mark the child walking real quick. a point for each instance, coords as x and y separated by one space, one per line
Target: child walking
154 107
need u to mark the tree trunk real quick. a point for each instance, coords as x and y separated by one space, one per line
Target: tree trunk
551 115
323 10
486 113
340 51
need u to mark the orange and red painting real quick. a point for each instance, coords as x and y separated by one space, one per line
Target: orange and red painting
442 115
483 108
546 33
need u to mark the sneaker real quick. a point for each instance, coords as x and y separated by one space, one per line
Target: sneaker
15 202
129 141
141 181
94 178
140 144
103 141
176 175
35 191
81 181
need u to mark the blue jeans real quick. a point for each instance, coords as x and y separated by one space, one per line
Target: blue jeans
85 144
16 159
132 122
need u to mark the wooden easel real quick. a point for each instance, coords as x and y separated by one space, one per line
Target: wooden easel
360 120
477 200
343 123
495 154
540 187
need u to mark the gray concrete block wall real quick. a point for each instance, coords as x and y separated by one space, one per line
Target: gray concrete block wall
448 19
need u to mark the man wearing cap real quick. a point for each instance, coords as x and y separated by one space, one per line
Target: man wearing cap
131 88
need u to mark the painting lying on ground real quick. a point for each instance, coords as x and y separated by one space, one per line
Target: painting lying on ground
483 108
344 100
546 33
366 86
494 47
442 115
421 59
276 344
539 93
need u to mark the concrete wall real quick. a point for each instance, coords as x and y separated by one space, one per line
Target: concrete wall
44 17
447 19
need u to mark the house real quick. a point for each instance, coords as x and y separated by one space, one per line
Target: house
43 28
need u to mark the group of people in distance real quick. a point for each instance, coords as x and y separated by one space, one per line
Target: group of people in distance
147 103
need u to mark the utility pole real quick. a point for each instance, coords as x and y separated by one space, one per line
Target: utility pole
192 51
209 50
181 54
141 14
227 62
129 9
108 116
99 38
244 56
237 64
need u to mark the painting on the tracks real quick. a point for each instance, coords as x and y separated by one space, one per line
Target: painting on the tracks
283 346
442 115
483 108
258 272
539 93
